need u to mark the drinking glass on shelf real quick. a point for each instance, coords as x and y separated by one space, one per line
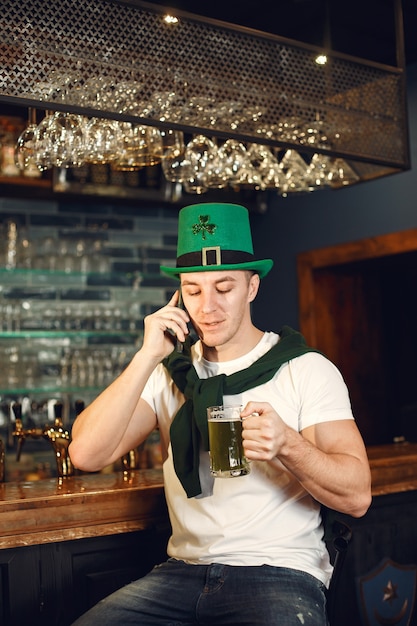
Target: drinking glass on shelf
233 154
48 259
30 370
174 165
11 244
172 140
200 154
216 171
99 262
26 251
98 93
67 137
128 158
162 105
290 129
42 146
60 140
173 155
126 96
263 167
9 315
67 261
150 147
82 263
103 140
314 133
203 110
140 146
296 174
12 365
134 315
24 154
232 113
341 173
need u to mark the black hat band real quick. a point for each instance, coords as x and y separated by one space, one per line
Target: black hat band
214 256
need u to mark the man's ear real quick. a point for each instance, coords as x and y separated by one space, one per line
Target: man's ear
254 283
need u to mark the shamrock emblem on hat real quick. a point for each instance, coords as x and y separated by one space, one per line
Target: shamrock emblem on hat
203 226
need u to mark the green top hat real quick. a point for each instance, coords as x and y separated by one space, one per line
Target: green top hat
215 236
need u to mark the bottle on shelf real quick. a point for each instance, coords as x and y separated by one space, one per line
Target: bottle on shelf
7 162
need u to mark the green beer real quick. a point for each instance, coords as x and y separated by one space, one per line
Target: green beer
227 457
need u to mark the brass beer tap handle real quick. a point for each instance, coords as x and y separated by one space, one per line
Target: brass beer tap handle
18 430
2 462
59 438
58 409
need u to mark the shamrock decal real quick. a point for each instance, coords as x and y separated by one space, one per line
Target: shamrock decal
203 226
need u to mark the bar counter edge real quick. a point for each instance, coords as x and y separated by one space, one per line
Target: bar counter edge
93 505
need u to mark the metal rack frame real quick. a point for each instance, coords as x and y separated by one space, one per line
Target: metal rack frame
202 75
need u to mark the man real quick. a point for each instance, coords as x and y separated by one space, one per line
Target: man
244 550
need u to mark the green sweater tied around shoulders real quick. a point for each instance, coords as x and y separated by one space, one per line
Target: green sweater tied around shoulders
189 430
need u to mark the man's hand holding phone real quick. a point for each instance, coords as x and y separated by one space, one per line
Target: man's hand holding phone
165 324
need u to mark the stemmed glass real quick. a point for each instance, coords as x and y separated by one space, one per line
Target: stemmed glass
127 159
24 154
67 137
334 172
216 170
150 146
173 155
296 173
42 146
126 96
60 140
233 155
103 139
139 146
199 157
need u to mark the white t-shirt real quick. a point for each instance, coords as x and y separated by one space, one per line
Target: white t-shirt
266 517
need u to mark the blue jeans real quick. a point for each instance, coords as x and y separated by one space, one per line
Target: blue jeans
177 594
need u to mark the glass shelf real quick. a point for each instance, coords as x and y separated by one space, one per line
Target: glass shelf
67 333
46 277
63 334
26 181
58 389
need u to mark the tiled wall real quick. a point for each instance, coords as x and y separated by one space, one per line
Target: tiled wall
135 240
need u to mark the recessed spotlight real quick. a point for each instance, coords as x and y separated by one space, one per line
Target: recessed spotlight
170 19
321 59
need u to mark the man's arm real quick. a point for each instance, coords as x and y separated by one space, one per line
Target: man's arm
329 459
118 420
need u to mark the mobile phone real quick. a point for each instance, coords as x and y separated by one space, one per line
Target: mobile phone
192 332
179 346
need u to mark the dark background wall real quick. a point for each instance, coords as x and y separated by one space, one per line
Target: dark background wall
304 222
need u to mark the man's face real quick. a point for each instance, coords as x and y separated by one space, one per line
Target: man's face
218 303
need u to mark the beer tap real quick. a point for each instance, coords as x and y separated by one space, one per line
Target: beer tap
4 409
59 438
2 462
20 432
79 407
56 434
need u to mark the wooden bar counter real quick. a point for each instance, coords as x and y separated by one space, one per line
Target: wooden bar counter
393 468
67 543
89 505
74 541
93 505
